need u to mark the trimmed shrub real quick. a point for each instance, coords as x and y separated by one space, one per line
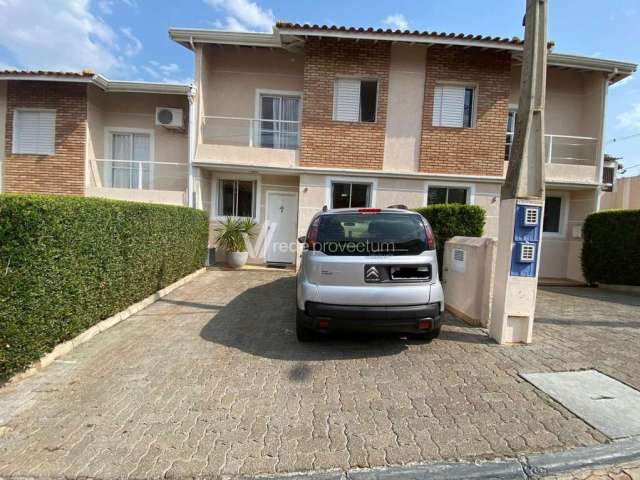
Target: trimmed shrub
611 247
67 263
450 220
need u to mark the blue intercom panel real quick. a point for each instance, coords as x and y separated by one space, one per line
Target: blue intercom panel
526 238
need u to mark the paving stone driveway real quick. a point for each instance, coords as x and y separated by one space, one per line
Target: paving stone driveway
211 380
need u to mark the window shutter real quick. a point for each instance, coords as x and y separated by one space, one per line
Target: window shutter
448 106
346 99
35 132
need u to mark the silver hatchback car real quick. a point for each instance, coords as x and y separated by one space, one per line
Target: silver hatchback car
369 269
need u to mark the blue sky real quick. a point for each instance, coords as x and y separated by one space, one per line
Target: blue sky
127 39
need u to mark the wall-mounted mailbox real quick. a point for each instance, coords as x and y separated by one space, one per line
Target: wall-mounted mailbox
527 252
531 217
526 238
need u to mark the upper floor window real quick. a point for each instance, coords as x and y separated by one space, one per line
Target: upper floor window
350 195
355 100
511 130
34 132
237 198
454 106
279 123
438 195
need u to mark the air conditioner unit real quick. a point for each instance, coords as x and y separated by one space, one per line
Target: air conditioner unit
169 117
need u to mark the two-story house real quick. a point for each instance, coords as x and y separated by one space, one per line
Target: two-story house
82 134
308 116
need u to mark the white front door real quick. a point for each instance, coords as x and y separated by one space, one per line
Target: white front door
282 215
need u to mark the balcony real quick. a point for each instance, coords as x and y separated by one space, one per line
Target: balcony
249 141
152 182
570 159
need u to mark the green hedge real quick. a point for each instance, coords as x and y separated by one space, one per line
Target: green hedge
448 221
66 263
611 247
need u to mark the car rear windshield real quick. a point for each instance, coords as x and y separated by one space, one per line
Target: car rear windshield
371 234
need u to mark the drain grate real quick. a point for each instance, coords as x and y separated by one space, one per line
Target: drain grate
606 404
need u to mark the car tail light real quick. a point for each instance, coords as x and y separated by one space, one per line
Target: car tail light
425 324
431 239
312 234
369 210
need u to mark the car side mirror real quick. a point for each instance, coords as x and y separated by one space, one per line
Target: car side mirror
302 239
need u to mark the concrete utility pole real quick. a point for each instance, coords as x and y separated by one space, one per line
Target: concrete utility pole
522 197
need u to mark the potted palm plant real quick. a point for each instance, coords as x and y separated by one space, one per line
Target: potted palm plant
231 235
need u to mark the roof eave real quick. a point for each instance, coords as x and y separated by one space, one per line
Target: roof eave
190 36
621 69
404 38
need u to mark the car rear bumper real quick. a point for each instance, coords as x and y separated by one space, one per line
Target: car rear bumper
401 318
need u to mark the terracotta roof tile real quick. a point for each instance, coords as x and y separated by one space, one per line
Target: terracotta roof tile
49 73
388 31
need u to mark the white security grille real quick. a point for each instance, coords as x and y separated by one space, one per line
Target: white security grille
527 253
531 216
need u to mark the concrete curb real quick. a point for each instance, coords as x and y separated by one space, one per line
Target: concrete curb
69 345
530 467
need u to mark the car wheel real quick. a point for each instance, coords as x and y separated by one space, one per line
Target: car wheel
303 333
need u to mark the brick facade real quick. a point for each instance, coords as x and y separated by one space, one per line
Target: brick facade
472 151
63 172
329 143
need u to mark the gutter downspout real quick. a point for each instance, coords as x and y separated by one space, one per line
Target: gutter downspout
192 145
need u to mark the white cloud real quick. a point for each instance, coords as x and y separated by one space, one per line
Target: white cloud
64 35
622 82
243 15
133 45
164 72
631 118
396 21
106 6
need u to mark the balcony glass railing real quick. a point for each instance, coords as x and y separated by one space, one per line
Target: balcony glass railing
570 150
251 132
565 149
131 174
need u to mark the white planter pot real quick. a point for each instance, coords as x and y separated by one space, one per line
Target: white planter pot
237 259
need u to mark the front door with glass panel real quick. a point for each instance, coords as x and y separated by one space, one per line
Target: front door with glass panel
278 125
130 165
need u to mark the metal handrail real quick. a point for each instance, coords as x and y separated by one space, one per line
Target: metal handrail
220 117
138 163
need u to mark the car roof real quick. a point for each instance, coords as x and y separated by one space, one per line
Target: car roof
357 210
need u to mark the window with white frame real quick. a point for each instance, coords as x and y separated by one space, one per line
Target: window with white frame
236 198
454 106
552 214
350 195
130 165
279 125
511 130
439 195
34 132
355 100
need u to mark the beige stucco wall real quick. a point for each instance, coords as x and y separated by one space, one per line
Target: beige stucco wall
574 101
3 117
626 194
560 255
404 109
233 74
136 111
314 193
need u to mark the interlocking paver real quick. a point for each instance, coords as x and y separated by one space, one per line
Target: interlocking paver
211 381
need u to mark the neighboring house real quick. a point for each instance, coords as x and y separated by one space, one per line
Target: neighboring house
308 116
81 134
625 194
